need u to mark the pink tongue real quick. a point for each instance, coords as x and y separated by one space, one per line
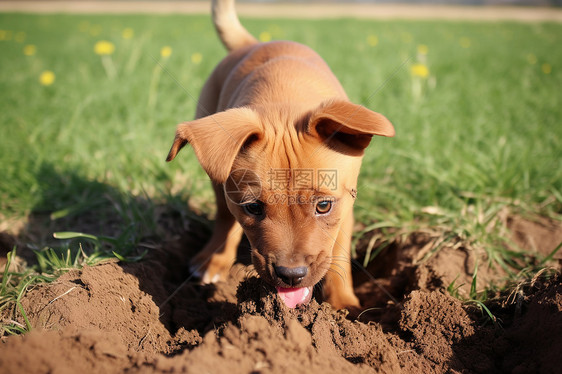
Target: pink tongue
294 296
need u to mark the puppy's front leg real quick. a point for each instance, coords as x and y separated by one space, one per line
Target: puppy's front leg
215 260
338 286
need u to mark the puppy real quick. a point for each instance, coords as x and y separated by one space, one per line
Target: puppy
282 145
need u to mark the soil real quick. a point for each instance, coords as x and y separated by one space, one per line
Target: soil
144 317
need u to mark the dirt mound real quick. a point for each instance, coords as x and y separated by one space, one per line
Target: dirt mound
141 317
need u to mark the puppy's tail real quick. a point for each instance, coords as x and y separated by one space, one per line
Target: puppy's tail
232 34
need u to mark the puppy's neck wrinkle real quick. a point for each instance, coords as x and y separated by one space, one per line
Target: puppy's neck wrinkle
279 118
283 133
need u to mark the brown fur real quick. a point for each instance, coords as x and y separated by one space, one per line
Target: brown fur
277 106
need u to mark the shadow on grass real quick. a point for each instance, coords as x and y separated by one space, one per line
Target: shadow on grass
69 202
159 237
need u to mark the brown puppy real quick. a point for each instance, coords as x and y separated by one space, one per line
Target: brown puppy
283 148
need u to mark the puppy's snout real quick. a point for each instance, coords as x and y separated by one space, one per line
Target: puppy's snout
291 276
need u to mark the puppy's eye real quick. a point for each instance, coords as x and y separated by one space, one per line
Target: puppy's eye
254 209
323 206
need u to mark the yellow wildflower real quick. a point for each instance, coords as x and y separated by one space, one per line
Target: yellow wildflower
127 33
546 68
196 58
372 40
47 78
422 49
265 36
29 50
531 59
103 47
419 70
166 51
465 42
5 34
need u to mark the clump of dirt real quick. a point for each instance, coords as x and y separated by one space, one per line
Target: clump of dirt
145 318
537 234
267 336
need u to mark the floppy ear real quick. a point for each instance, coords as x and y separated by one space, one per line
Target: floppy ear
348 128
217 139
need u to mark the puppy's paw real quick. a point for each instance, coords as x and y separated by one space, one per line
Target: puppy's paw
203 275
211 270
345 301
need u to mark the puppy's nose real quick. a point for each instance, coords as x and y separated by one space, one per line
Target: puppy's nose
291 276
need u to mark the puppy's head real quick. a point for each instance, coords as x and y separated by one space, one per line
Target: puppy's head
289 179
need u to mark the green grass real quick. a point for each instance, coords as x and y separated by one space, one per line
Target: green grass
480 133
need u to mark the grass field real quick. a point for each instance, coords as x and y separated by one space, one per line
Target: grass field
476 108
